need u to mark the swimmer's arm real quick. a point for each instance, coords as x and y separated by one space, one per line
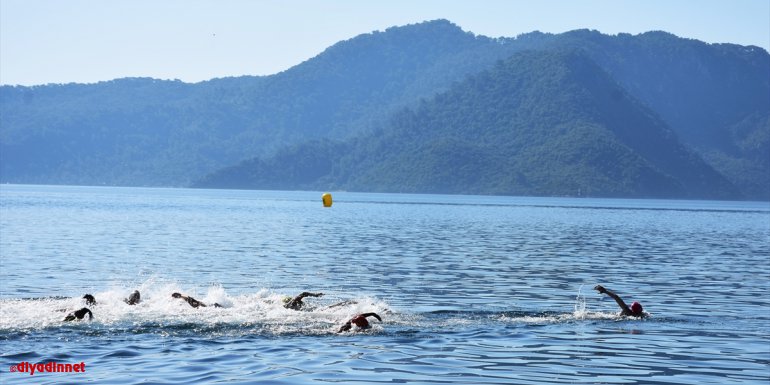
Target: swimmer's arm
194 302
296 302
614 296
372 315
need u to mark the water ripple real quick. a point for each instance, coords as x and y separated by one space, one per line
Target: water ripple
483 290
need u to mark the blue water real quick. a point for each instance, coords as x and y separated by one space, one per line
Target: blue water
471 289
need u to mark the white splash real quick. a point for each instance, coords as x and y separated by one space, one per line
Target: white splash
262 309
580 304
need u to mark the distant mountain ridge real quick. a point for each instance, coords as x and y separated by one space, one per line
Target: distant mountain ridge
561 126
164 133
715 99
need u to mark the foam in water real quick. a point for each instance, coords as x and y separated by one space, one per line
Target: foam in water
258 312
261 310
580 304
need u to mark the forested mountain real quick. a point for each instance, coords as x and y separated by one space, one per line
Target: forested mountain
714 100
540 123
165 133
715 97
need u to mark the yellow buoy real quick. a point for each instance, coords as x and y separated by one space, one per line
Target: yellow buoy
327 199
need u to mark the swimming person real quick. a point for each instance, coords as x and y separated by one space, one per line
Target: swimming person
134 298
635 310
79 314
90 300
296 302
360 321
192 301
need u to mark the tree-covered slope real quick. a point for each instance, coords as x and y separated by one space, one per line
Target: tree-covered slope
145 132
716 97
539 123
152 132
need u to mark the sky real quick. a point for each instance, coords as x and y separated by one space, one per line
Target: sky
86 41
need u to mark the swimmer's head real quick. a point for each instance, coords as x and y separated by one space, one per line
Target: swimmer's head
176 295
636 308
134 298
286 299
90 300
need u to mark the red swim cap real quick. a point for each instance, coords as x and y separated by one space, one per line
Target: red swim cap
360 321
636 308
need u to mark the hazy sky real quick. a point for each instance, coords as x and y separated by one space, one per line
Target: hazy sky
85 41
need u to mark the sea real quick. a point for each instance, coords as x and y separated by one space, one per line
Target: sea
469 289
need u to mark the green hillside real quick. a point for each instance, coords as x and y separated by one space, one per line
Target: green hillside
715 98
540 123
150 132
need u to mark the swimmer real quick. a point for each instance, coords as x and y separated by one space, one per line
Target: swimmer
635 310
296 302
360 321
79 314
192 301
134 298
90 300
